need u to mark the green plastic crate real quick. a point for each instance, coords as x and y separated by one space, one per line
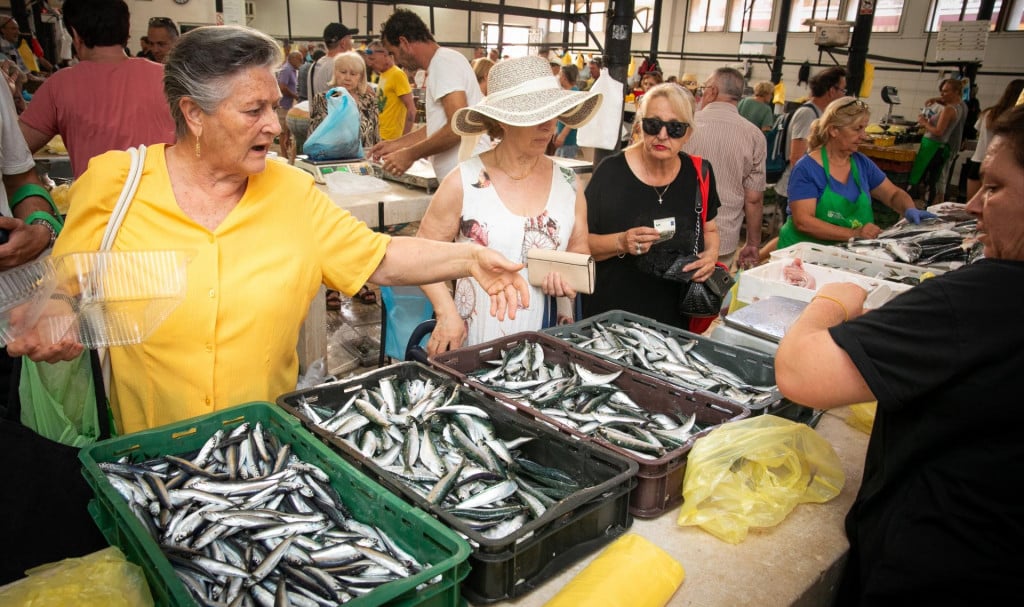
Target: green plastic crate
415 531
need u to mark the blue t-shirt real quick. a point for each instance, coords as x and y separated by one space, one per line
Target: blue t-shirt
808 179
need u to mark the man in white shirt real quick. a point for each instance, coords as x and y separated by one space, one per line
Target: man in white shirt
451 85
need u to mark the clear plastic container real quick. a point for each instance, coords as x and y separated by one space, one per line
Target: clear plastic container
24 292
112 298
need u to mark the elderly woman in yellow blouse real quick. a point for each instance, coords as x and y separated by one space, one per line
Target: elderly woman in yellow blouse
263 237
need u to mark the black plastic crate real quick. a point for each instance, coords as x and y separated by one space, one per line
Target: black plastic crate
755 368
511 566
659 481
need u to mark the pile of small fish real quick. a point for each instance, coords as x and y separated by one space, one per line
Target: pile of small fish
446 450
246 522
587 402
933 241
637 345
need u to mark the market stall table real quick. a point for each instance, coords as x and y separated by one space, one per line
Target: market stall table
894 160
798 562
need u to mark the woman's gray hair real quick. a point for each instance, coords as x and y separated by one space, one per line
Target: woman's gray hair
205 58
844 111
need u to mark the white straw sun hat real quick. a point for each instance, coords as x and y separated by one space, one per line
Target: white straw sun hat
522 92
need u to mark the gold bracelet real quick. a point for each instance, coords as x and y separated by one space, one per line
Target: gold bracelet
837 302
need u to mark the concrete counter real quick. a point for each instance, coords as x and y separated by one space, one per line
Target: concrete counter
798 562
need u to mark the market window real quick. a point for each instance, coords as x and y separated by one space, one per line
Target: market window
959 10
515 39
707 16
1015 17
887 14
811 9
751 15
596 21
643 16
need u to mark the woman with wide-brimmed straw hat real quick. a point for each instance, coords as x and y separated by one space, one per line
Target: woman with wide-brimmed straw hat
510 198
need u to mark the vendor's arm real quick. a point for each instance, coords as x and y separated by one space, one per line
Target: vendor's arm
810 368
25 241
383 148
946 119
893 197
440 140
410 112
441 222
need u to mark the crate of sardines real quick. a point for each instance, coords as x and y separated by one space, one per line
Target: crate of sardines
646 419
245 507
738 374
530 499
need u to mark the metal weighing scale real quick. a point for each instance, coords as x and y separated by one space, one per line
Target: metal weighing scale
417 176
321 168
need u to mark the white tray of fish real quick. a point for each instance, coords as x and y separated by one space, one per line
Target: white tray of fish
840 258
796 280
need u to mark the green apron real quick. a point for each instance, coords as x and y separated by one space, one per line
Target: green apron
929 148
832 208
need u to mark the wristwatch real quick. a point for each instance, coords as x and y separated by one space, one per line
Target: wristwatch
49 226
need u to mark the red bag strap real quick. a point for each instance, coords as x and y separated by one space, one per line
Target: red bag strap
705 185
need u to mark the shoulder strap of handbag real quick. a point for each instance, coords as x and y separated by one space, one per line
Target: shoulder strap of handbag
131 184
700 205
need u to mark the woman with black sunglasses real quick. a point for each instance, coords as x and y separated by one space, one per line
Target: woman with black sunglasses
642 214
831 187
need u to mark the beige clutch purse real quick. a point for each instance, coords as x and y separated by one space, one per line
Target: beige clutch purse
576 268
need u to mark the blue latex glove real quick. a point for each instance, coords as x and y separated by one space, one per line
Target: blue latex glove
916 215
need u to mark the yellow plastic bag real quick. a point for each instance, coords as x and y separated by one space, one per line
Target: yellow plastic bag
101 579
862 416
753 472
631 572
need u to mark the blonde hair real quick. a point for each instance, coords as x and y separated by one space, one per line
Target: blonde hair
481 67
353 61
764 88
677 98
841 112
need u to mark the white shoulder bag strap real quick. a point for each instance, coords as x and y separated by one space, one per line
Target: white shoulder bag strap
131 184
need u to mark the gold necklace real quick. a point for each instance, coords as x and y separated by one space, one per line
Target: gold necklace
650 177
661 194
510 175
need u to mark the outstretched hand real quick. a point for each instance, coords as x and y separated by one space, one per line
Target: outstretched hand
916 215
502 281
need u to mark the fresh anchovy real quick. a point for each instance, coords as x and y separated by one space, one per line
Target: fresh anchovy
447 451
266 540
668 357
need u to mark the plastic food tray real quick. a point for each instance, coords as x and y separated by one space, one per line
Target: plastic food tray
113 298
754 367
24 292
866 265
415 531
659 481
767 280
507 567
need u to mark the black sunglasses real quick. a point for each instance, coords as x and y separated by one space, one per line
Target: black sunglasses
675 129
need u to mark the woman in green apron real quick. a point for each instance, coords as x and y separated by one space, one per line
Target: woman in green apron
830 189
938 130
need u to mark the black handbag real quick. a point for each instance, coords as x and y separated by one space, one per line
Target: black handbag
702 299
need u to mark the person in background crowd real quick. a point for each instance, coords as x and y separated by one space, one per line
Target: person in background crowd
737 150
931 509
689 82
973 111
144 51
482 67
648 80
478 52
510 199
831 188
984 128
451 86
826 86
302 78
660 183
941 134
288 80
394 93
163 36
253 226
594 67
107 101
337 39
758 108
15 80
565 137
493 55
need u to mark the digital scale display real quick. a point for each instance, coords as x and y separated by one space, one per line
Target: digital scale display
321 168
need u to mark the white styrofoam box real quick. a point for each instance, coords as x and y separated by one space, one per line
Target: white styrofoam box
866 265
766 280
